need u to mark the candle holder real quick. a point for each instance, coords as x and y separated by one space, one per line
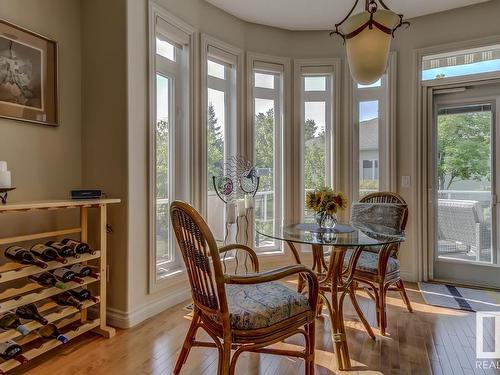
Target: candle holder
4 194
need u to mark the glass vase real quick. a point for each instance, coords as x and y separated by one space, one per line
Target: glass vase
325 220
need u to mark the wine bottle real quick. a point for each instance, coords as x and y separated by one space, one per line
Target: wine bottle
47 253
48 280
50 331
20 255
83 271
79 247
66 299
66 275
10 321
30 312
63 250
10 349
82 294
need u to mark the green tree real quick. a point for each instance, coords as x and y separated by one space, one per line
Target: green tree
310 129
162 170
314 156
215 147
264 147
162 134
464 142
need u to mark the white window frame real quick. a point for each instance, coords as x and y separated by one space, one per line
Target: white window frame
422 260
183 36
318 67
233 59
450 52
386 97
280 67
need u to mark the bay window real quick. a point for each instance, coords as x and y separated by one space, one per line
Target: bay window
222 83
169 82
373 135
316 81
267 103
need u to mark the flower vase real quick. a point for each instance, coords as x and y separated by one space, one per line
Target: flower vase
325 220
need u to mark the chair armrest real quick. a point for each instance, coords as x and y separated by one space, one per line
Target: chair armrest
250 251
278 274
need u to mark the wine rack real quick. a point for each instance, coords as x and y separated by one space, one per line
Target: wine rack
16 289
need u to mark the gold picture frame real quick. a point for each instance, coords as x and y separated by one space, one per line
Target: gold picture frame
28 76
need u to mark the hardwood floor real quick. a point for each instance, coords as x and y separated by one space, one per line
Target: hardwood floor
431 340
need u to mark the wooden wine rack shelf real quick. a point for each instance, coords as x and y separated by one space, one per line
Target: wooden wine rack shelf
44 293
15 271
51 318
51 344
16 290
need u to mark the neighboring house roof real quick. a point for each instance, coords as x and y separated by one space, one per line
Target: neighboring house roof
368 134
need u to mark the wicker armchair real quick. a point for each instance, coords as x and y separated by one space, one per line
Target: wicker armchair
461 221
221 304
380 271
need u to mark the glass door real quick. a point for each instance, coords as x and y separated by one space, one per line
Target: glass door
464 204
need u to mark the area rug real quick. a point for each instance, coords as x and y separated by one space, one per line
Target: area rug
455 297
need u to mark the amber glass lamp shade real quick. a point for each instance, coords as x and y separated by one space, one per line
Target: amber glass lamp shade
368 51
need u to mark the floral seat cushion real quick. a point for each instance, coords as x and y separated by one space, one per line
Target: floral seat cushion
368 262
262 305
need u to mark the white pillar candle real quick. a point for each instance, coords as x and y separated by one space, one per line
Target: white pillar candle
5 181
241 207
230 213
3 166
249 201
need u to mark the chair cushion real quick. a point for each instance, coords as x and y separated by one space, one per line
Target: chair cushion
368 262
255 306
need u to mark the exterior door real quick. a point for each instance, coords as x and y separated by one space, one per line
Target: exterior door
464 210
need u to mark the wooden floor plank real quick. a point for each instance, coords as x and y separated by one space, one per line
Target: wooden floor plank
432 340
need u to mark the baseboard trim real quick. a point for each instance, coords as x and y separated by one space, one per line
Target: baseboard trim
123 319
408 276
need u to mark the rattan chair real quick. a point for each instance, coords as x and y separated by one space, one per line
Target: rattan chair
381 272
221 304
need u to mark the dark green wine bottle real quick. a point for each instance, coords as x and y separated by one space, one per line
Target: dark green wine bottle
10 321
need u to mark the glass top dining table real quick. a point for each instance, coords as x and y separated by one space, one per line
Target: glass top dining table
342 235
335 269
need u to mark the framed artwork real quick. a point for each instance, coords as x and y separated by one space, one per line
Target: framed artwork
28 76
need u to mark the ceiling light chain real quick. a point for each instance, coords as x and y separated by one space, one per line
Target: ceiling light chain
371 7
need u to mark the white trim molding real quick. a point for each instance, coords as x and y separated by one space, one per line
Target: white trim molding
236 102
323 67
422 119
182 33
127 319
386 96
281 67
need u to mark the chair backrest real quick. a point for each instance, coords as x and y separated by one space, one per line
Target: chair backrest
201 257
387 197
458 220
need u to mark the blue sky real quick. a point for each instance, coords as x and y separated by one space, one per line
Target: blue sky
463 70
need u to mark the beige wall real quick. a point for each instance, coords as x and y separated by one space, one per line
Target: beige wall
104 135
46 161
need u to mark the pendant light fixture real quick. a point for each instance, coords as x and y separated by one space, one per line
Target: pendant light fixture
367 37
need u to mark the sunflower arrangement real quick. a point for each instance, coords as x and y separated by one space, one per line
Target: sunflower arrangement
326 200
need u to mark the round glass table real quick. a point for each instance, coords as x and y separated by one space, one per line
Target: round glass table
335 266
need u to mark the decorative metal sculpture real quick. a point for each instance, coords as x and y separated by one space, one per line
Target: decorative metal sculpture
237 188
239 179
